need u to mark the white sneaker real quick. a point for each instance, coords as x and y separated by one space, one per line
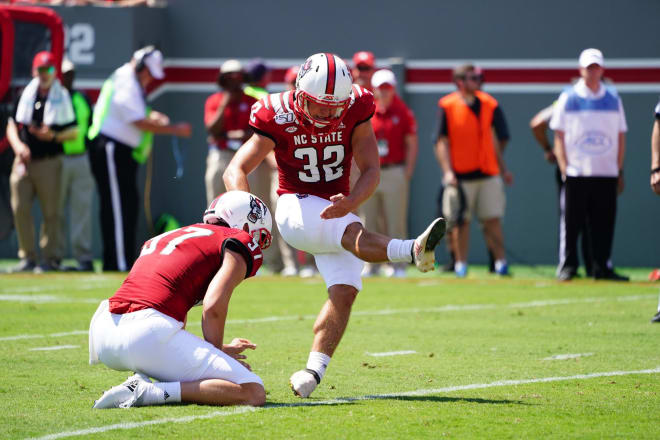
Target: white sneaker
424 247
289 271
125 395
303 383
307 272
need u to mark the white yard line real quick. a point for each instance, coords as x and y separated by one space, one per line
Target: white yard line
422 392
385 312
42 299
56 288
88 431
37 336
391 353
54 348
563 357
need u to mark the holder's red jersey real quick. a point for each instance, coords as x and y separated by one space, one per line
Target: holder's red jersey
174 269
317 164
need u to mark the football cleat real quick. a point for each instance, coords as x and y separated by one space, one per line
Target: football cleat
424 247
303 382
125 395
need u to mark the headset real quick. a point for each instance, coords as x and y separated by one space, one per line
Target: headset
145 53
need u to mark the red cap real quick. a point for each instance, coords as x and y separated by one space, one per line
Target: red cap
364 57
43 59
291 74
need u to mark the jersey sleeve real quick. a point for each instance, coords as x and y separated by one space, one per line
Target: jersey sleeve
211 108
657 111
244 245
411 122
261 117
557 120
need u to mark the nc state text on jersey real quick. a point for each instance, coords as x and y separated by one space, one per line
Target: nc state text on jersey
333 136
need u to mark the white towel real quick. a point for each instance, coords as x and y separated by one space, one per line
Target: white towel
57 111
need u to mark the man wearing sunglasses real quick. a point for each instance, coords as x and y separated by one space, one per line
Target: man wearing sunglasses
473 167
43 118
364 68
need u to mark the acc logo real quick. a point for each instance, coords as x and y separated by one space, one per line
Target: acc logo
291 129
284 118
594 143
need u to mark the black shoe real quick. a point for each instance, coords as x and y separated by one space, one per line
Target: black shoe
24 265
566 275
656 317
85 266
46 267
611 276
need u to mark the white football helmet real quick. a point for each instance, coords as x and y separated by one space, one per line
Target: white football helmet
242 210
323 79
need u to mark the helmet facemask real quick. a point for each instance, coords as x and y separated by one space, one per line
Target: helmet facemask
314 124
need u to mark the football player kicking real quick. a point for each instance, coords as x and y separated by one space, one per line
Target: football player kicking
141 327
315 131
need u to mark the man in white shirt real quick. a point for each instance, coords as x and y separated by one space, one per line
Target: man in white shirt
121 134
590 126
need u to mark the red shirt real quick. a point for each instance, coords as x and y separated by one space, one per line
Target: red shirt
174 269
391 127
317 164
236 114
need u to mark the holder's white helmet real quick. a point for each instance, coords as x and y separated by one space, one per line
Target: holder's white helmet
323 79
242 210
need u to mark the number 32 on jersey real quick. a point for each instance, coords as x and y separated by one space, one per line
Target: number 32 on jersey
333 155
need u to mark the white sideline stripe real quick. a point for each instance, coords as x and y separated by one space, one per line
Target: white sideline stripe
562 357
54 347
391 353
46 299
447 308
422 392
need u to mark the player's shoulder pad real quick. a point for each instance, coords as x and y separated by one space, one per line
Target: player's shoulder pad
361 97
275 107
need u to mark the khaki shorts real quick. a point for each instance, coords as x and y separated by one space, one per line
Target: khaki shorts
484 198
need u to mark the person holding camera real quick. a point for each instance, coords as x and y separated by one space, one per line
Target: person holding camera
226 117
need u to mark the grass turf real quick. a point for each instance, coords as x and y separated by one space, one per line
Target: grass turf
475 331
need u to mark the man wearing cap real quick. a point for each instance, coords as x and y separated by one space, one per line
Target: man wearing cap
77 183
590 126
122 135
386 211
364 66
473 167
43 118
226 117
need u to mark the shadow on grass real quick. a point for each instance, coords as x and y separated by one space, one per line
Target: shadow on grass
351 400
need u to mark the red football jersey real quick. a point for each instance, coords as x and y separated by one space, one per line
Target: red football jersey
174 269
317 164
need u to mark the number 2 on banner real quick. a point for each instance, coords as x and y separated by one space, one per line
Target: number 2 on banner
167 250
312 173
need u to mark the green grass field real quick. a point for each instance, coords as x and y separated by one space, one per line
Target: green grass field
483 350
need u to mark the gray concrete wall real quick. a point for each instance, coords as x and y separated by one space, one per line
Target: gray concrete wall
440 30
